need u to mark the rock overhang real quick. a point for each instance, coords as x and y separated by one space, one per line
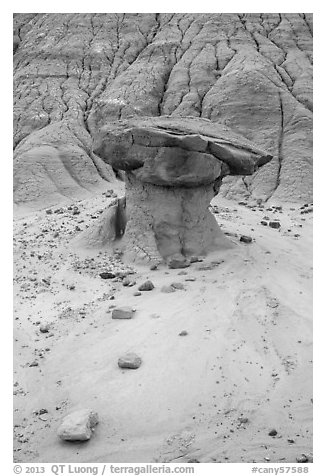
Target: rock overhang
177 151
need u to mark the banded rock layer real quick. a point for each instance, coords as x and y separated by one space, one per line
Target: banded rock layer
75 73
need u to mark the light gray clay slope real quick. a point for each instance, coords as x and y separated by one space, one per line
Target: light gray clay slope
74 73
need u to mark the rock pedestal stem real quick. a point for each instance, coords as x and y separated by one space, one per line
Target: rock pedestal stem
166 222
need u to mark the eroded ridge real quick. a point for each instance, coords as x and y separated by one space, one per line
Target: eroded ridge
75 72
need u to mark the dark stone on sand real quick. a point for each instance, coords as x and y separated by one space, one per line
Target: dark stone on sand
146 286
176 263
275 224
302 459
167 289
125 312
245 239
107 275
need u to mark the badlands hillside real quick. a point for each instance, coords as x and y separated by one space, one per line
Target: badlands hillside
76 72
223 339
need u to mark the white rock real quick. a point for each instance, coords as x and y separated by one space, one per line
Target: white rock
78 426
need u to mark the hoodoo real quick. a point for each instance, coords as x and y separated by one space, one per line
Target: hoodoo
173 168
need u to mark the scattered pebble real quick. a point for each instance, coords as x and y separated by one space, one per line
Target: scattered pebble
167 289
130 361
107 275
217 262
275 224
245 239
43 418
34 364
272 432
44 328
302 459
195 259
177 286
126 281
243 420
183 333
146 286
125 312
205 267
78 426
178 262
42 411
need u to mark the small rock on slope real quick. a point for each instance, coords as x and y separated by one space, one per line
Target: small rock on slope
168 289
245 239
130 361
177 285
78 426
124 312
44 328
107 275
146 286
275 224
178 262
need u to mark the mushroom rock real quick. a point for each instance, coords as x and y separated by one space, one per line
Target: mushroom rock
173 168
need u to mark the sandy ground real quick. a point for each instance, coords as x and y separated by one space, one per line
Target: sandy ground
243 368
